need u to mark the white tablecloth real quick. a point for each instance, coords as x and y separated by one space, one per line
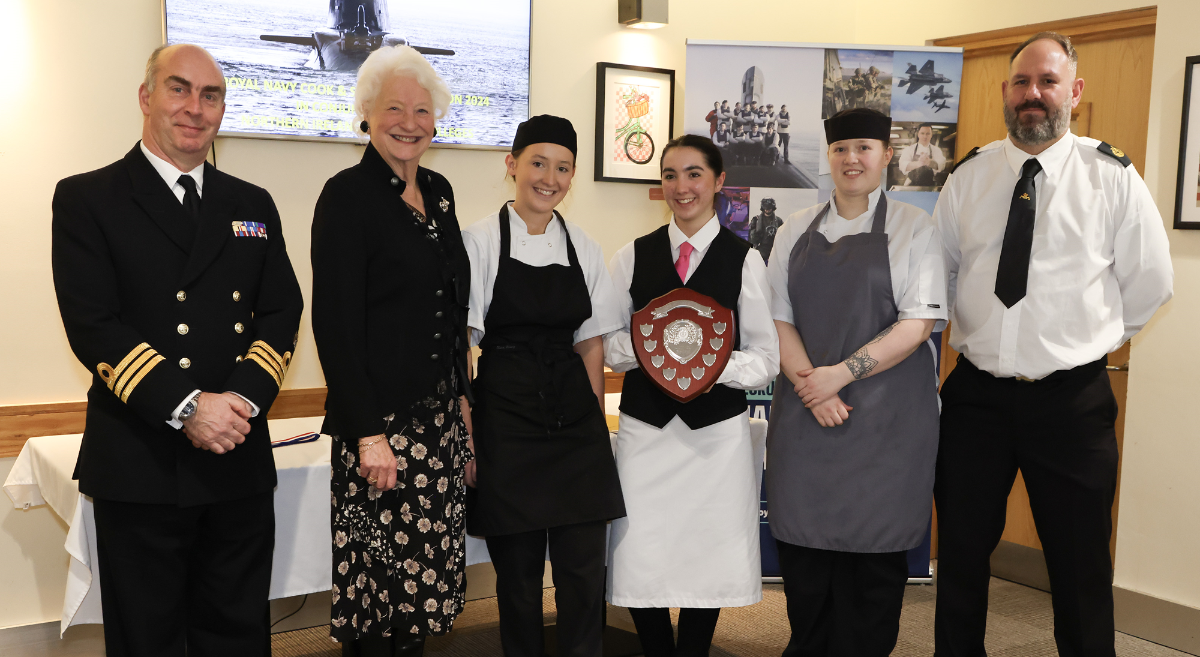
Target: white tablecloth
303 551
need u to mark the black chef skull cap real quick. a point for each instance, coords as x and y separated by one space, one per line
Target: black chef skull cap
546 129
858 123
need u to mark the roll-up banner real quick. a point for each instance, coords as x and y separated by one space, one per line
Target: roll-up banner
763 104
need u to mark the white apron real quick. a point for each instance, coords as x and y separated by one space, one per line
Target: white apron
690 536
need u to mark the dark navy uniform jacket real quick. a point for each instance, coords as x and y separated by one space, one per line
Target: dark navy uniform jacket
156 305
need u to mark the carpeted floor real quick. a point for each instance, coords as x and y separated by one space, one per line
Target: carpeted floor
1020 624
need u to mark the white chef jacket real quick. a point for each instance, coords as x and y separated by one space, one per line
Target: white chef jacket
1099 268
910 153
690 536
914 254
482 241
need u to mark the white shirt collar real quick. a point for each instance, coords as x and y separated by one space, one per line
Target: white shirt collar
872 200
700 240
170 174
1051 159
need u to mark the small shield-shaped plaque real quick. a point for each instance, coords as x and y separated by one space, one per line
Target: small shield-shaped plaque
683 342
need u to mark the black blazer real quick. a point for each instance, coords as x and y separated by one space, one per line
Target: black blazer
389 306
155 308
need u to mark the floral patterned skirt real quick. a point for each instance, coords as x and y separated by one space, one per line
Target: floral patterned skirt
399 556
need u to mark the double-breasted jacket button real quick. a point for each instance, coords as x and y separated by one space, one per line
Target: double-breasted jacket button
438 293
182 328
238 359
438 315
185 363
433 356
239 327
395 181
237 296
181 295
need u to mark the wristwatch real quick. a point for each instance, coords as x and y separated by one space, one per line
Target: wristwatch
189 409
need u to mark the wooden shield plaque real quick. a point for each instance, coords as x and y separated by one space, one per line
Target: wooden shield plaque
683 340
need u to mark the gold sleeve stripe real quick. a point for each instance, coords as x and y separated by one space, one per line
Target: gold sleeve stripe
120 368
269 351
140 375
127 375
270 370
267 359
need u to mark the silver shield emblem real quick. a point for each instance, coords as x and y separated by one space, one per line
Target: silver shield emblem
669 373
709 359
697 373
657 360
649 345
716 343
646 330
719 328
684 383
683 338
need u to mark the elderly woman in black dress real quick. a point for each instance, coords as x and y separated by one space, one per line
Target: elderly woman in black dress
391 280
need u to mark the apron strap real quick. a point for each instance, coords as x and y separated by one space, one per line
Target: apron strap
505 240
876 222
571 257
816 223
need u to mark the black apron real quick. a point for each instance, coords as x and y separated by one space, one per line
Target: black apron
867 485
542 451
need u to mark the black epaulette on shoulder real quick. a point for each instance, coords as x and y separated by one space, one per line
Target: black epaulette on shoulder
970 154
1115 153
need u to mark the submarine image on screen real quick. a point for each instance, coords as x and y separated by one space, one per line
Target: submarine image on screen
356 29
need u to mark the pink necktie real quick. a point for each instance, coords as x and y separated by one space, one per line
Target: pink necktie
685 259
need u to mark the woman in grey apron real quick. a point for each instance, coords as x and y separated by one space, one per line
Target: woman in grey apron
857 288
541 299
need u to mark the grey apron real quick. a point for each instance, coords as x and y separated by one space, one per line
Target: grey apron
867 485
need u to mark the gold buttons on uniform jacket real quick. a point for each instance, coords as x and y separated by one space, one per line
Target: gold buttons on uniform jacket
182 328
438 315
181 295
239 327
237 296
438 293
433 356
238 359
185 363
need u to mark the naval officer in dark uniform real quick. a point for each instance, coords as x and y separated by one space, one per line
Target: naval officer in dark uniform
176 292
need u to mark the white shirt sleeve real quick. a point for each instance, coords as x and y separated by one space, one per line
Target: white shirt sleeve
484 258
939 156
924 297
777 267
618 346
945 216
174 422
906 158
756 363
1141 254
606 311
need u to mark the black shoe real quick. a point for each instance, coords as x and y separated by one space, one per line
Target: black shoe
411 646
369 646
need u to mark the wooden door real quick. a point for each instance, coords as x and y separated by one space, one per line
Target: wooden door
1116 53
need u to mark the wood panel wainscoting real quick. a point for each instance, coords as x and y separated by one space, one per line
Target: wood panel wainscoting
20 423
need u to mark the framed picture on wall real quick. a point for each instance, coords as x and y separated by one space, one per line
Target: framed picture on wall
634 110
1187 189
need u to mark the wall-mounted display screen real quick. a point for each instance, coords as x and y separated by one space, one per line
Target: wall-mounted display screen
291 65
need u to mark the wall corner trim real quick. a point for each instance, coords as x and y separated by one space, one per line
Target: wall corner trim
1167 623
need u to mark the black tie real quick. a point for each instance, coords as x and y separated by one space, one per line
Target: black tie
1012 274
191 198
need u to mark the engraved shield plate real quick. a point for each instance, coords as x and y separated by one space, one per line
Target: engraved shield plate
683 333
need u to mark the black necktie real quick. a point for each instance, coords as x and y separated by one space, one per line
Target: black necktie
191 198
1012 274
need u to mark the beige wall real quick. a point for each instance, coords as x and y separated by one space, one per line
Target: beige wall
69 105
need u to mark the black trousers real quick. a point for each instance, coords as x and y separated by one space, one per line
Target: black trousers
842 604
577 555
1059 432
186 581
696 628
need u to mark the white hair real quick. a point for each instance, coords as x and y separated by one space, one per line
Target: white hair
392 61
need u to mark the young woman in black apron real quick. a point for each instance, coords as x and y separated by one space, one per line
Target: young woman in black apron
857 285
541 300
690 472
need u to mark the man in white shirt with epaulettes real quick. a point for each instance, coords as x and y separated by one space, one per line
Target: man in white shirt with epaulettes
1056 256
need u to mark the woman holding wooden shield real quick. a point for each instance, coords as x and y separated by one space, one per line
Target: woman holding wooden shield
689 469
857 286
